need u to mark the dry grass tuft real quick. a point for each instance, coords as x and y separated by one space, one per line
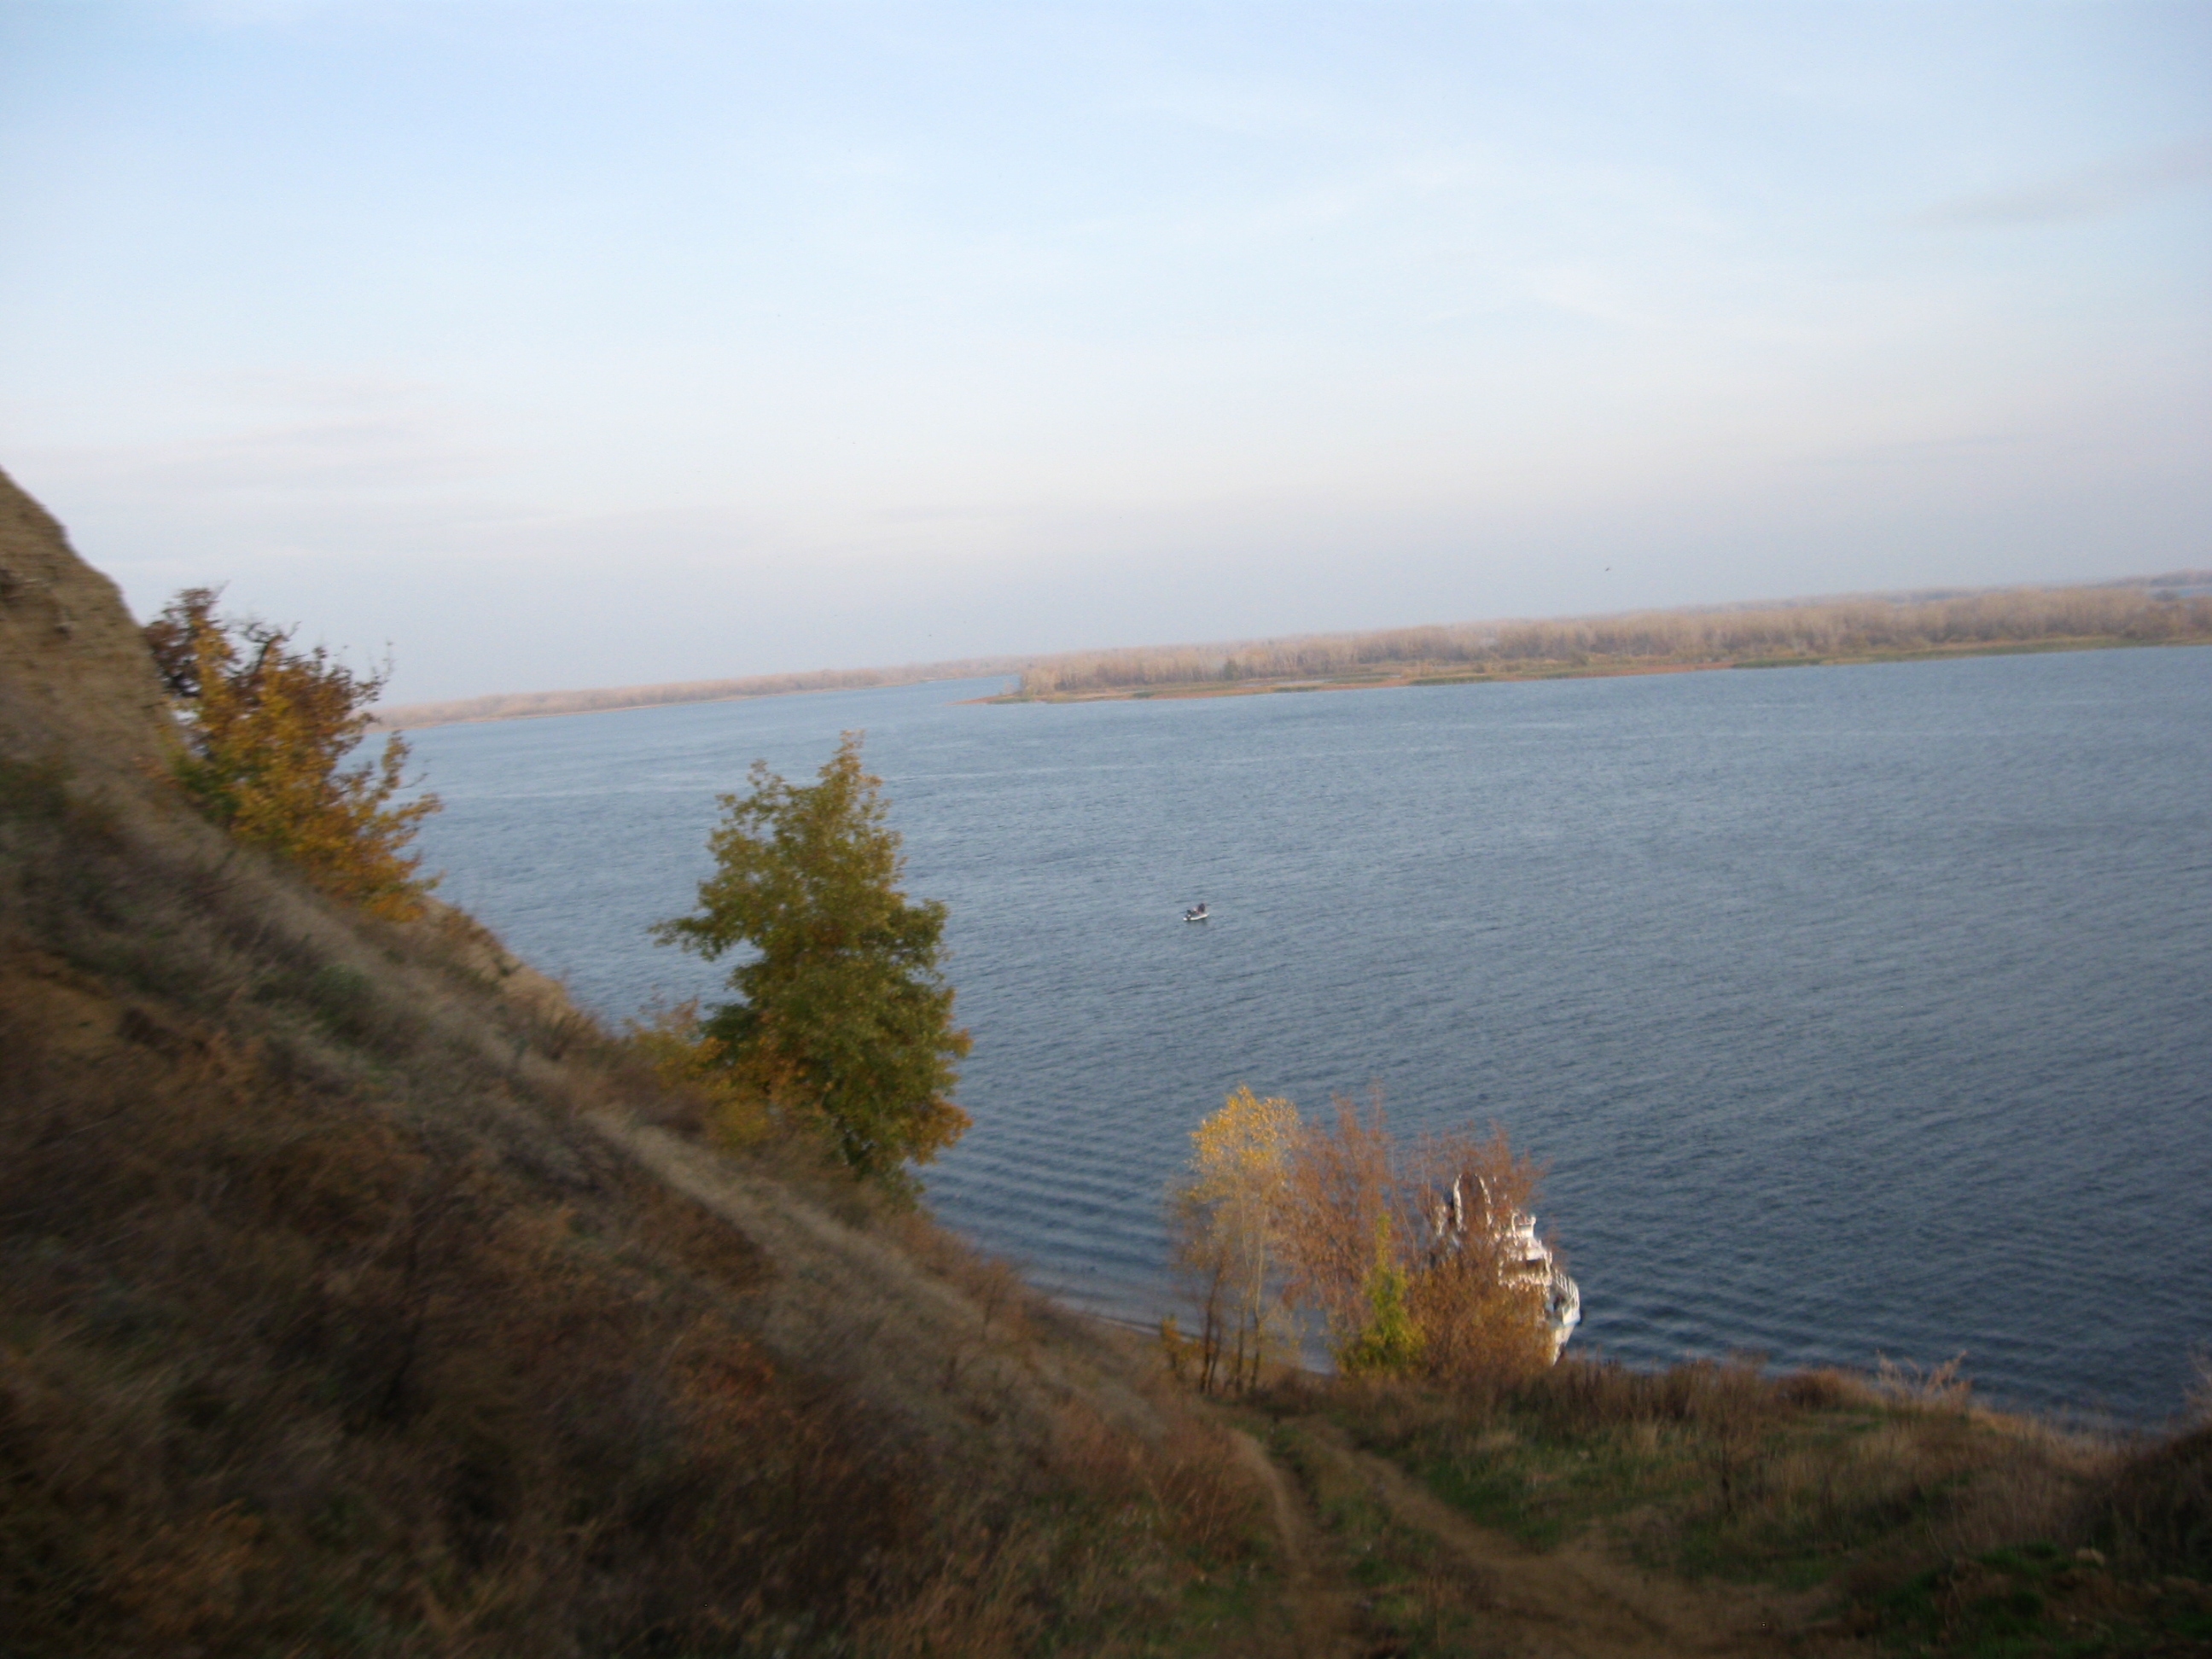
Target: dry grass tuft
2153 1512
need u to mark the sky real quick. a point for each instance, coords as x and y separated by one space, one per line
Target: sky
570 343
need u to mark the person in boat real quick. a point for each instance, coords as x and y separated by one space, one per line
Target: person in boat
1196 913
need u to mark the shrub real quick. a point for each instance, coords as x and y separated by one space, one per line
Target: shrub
268 731
1419 1259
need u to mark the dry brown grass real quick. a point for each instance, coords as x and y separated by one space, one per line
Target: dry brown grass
283 1368
1712 1507
2154 1511
331 1320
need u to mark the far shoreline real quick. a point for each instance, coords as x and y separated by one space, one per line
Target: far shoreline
1913 625
1376 677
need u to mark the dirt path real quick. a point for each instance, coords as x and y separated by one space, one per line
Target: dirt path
1579 1601
1324 1612
858 1308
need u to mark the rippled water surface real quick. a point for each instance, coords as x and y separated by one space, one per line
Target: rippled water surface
1856 1010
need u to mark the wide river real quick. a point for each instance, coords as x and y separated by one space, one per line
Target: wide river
1855 1011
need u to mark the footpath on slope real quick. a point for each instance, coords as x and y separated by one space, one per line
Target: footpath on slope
1579 1601
860 1308
843 1301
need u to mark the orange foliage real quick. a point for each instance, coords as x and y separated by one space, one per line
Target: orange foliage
1362 1234
1340 1195
268 732
1481 1316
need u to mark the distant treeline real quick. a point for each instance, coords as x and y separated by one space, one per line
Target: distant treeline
2147 609
517 705
2176 606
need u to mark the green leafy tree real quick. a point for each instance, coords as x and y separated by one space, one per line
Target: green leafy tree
268 732
842 1014
1390 1343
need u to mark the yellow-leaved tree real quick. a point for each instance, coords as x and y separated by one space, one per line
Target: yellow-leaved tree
1419 1259
1226 1217
269 730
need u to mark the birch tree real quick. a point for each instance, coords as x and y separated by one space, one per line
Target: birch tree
1226 1218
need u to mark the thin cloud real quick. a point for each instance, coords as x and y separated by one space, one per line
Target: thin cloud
2102 191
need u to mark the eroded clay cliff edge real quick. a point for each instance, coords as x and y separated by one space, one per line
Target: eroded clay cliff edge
75 679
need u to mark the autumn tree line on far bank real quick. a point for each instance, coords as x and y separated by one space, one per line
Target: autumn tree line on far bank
2153 612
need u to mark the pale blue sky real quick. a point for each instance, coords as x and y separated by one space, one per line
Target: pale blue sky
582 342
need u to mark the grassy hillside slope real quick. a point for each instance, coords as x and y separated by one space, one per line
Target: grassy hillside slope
357 1298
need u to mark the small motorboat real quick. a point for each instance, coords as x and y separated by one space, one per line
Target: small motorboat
1197 912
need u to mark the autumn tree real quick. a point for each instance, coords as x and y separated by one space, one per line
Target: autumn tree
269 729
1225 1216
1341 1196
1477 1287
842 1018
1419 1258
